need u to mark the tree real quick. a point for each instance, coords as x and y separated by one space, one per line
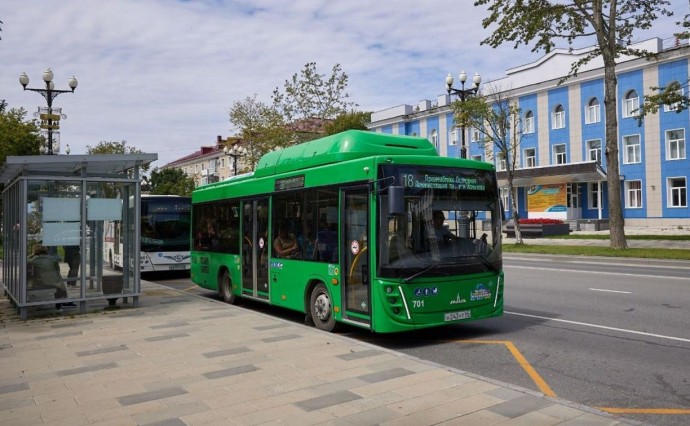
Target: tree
18 136
171 181
498 118
353 120
612 24
112 148
675 93
260 126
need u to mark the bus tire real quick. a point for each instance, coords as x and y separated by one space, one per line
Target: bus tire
321 308
225 289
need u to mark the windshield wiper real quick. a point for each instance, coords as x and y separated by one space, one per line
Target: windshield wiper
418 273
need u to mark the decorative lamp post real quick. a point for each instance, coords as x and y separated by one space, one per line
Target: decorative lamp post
235 152
49 120
463 94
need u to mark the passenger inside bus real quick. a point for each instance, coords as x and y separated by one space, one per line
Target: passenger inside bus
284 245
441 232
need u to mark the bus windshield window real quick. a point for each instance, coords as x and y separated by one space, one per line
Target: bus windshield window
451 224
165 224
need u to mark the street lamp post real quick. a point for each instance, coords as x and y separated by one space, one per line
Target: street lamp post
51 120
463 93
235 152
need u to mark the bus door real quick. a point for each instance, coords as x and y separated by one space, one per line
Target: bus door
356 286
255 248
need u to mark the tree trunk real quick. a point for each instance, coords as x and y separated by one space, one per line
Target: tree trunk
616 223
514 211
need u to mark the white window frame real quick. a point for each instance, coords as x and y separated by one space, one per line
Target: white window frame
632 153
593 154
477 158
560 157
529 123
434 138
679 193
529 161
593 112
593 195
454 137
633 194
505 199
501 163
631 104
674 106
558 118
475 135
675 148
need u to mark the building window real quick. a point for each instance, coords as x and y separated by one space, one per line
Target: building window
631 104
504 199
558 118
594 150
475 135
677 192
477 157
594 195
592 112
454 137
559 155
529 158
500 161
529 122
631 149
679 91
633 191
675 144
434 138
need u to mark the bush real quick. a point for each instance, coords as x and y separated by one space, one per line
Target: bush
540 221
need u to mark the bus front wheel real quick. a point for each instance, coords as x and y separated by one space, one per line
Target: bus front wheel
321 308
225 290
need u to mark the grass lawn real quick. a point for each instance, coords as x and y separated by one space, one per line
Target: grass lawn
649 253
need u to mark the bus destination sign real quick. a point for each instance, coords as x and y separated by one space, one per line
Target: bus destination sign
289 183
426 181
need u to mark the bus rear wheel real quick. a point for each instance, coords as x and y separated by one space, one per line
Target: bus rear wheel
321 308
225 289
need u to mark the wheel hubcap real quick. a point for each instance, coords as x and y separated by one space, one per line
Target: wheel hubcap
322 307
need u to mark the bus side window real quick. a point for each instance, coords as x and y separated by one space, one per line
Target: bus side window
326 246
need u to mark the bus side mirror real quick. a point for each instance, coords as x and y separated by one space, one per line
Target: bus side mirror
396 200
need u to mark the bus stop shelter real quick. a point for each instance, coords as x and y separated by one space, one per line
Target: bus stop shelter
57 211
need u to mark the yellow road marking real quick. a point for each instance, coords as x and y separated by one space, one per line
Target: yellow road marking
614 410
536 378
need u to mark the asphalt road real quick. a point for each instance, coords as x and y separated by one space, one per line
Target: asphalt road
608 333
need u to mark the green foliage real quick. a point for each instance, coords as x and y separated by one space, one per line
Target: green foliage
673 93
611 24
171 181
18 136
260 126
114 148
354 120
313 95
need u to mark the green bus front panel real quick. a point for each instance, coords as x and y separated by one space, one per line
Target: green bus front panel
437 302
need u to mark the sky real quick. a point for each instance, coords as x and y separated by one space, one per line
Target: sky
162 75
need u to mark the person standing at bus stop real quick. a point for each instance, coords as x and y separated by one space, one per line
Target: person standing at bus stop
46 273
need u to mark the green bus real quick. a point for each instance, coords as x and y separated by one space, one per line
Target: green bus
373 230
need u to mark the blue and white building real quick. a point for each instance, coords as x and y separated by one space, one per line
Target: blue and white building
562 165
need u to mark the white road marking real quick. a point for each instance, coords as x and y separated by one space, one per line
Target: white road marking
641 333
610 291
619 274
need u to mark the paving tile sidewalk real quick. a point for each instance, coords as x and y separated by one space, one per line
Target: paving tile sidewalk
180 359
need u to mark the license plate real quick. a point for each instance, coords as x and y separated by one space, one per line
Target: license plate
177 267
454 316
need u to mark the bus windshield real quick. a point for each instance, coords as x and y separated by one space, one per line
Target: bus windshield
165 224
450 224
